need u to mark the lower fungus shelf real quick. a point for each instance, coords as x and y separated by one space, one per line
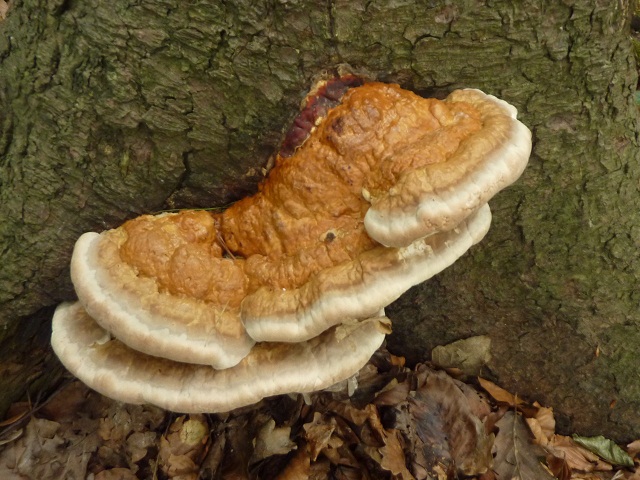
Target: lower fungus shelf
119 372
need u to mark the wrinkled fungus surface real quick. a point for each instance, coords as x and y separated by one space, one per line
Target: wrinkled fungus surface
308 215
375 190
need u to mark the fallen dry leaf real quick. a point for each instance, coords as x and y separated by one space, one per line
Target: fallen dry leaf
543 425
517 457
392 393
298 468
390 454
539 435
49 450
545 418
346 410
393 459
633 448
116 474
4 8
586 476
605 449
469 354
10 435
15 418
576 456
272 440
559 467
139 444
632 475
447 429
499 393
182 447
318 433
400 424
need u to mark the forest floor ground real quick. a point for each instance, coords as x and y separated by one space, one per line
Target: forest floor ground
388 422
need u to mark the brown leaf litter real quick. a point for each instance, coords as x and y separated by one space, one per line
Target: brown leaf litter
399 423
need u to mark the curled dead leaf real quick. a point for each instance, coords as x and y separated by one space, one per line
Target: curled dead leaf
446 427
576 456
605 449
182 447
516 456
318 433
633 448
469 354
499 393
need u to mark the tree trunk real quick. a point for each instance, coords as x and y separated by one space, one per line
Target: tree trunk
115 109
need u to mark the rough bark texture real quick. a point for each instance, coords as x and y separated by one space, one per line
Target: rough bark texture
111 109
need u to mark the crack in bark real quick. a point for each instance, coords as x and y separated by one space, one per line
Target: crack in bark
333 41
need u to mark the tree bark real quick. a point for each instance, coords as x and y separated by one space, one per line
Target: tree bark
112 110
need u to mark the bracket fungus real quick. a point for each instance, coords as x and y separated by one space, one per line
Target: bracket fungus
438 195
377 189
112 368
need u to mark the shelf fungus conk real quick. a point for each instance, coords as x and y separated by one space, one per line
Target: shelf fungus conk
376 190
120 372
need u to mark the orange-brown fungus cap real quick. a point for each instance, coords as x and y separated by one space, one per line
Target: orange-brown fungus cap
309 214
180 285
475 164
